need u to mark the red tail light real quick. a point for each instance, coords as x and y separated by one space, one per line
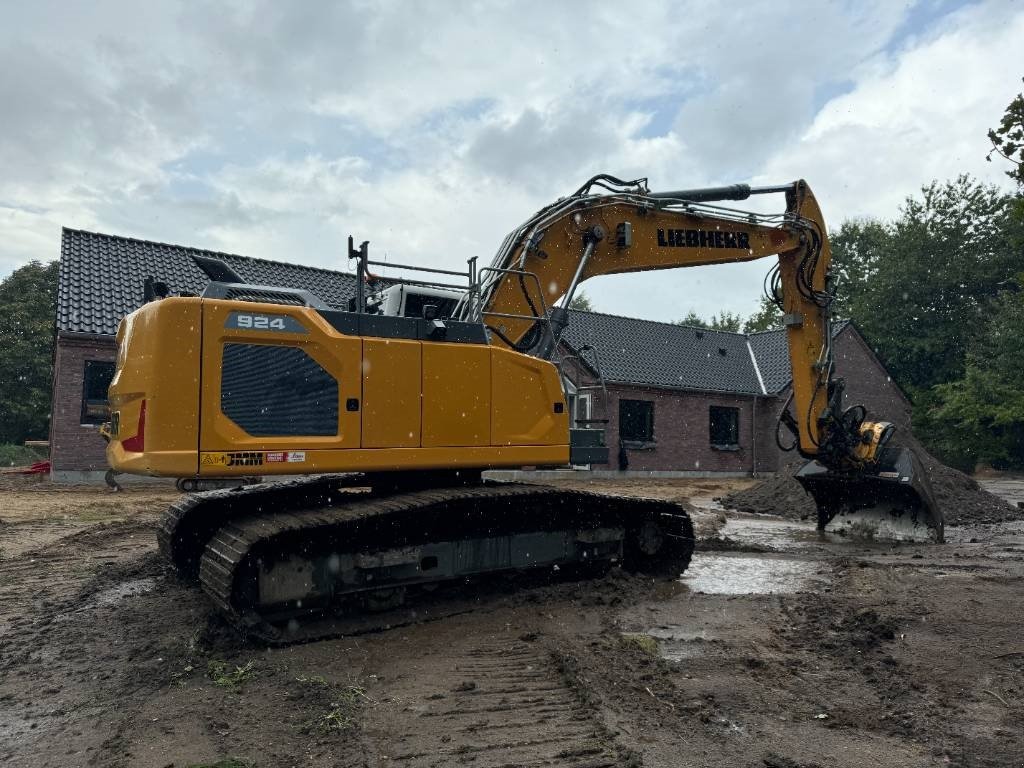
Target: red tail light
137 443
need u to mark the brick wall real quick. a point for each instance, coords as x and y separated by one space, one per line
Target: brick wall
682 440
768 454
75 446
681 418
867 381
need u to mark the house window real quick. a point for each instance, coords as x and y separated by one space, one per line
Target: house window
725 428
96 381
636 420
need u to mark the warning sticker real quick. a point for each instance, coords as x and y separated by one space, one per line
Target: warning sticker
296 456
279 456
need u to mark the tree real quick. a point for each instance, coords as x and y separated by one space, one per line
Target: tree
984 411
582 302
1008 139
919 287
28 302
693 319
979 416
858 247
767 317
723 321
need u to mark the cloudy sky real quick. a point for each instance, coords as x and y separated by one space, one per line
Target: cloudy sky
431 129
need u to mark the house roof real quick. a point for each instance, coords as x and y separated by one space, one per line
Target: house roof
671 356
101 277
101 280
664 354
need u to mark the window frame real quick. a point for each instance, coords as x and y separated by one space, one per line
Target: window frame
647 440
734 413
84 417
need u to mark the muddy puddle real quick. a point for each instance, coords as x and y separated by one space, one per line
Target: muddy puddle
125 589
774 534
677 643
110 596
744 574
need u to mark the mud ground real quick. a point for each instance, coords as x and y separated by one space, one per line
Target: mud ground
777 649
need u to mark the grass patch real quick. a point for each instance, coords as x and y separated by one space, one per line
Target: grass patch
344 707
12 455
644 643
222 674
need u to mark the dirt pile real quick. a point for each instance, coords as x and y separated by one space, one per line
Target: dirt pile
961 500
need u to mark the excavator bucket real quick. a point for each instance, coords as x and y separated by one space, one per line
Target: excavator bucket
892 501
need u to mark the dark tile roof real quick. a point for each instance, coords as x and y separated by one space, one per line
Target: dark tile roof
772 355
665 354
674 356
101 277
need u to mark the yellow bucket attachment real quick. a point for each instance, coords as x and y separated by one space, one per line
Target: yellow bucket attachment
892 500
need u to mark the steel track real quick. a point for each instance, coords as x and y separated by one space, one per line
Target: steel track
229 534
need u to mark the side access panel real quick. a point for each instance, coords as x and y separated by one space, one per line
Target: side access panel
528 406
276 378
456 395
392 377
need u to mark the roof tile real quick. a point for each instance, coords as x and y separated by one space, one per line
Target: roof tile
673 356
101 277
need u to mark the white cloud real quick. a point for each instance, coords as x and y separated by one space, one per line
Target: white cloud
919 114
276 130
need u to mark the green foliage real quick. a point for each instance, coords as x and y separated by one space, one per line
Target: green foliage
344 706
919 287
581 301
767 317
19 455
929 291
28 305
644 643
1008 139
724 321
223 675
984 410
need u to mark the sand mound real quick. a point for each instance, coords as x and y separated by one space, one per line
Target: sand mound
961 500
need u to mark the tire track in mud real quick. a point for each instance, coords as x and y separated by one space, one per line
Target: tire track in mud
64 630
38 577
505 704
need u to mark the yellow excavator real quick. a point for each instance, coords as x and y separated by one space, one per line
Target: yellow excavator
385 413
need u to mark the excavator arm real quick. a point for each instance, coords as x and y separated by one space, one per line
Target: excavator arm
526 292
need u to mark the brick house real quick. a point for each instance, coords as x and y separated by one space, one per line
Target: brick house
677 399
696 401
